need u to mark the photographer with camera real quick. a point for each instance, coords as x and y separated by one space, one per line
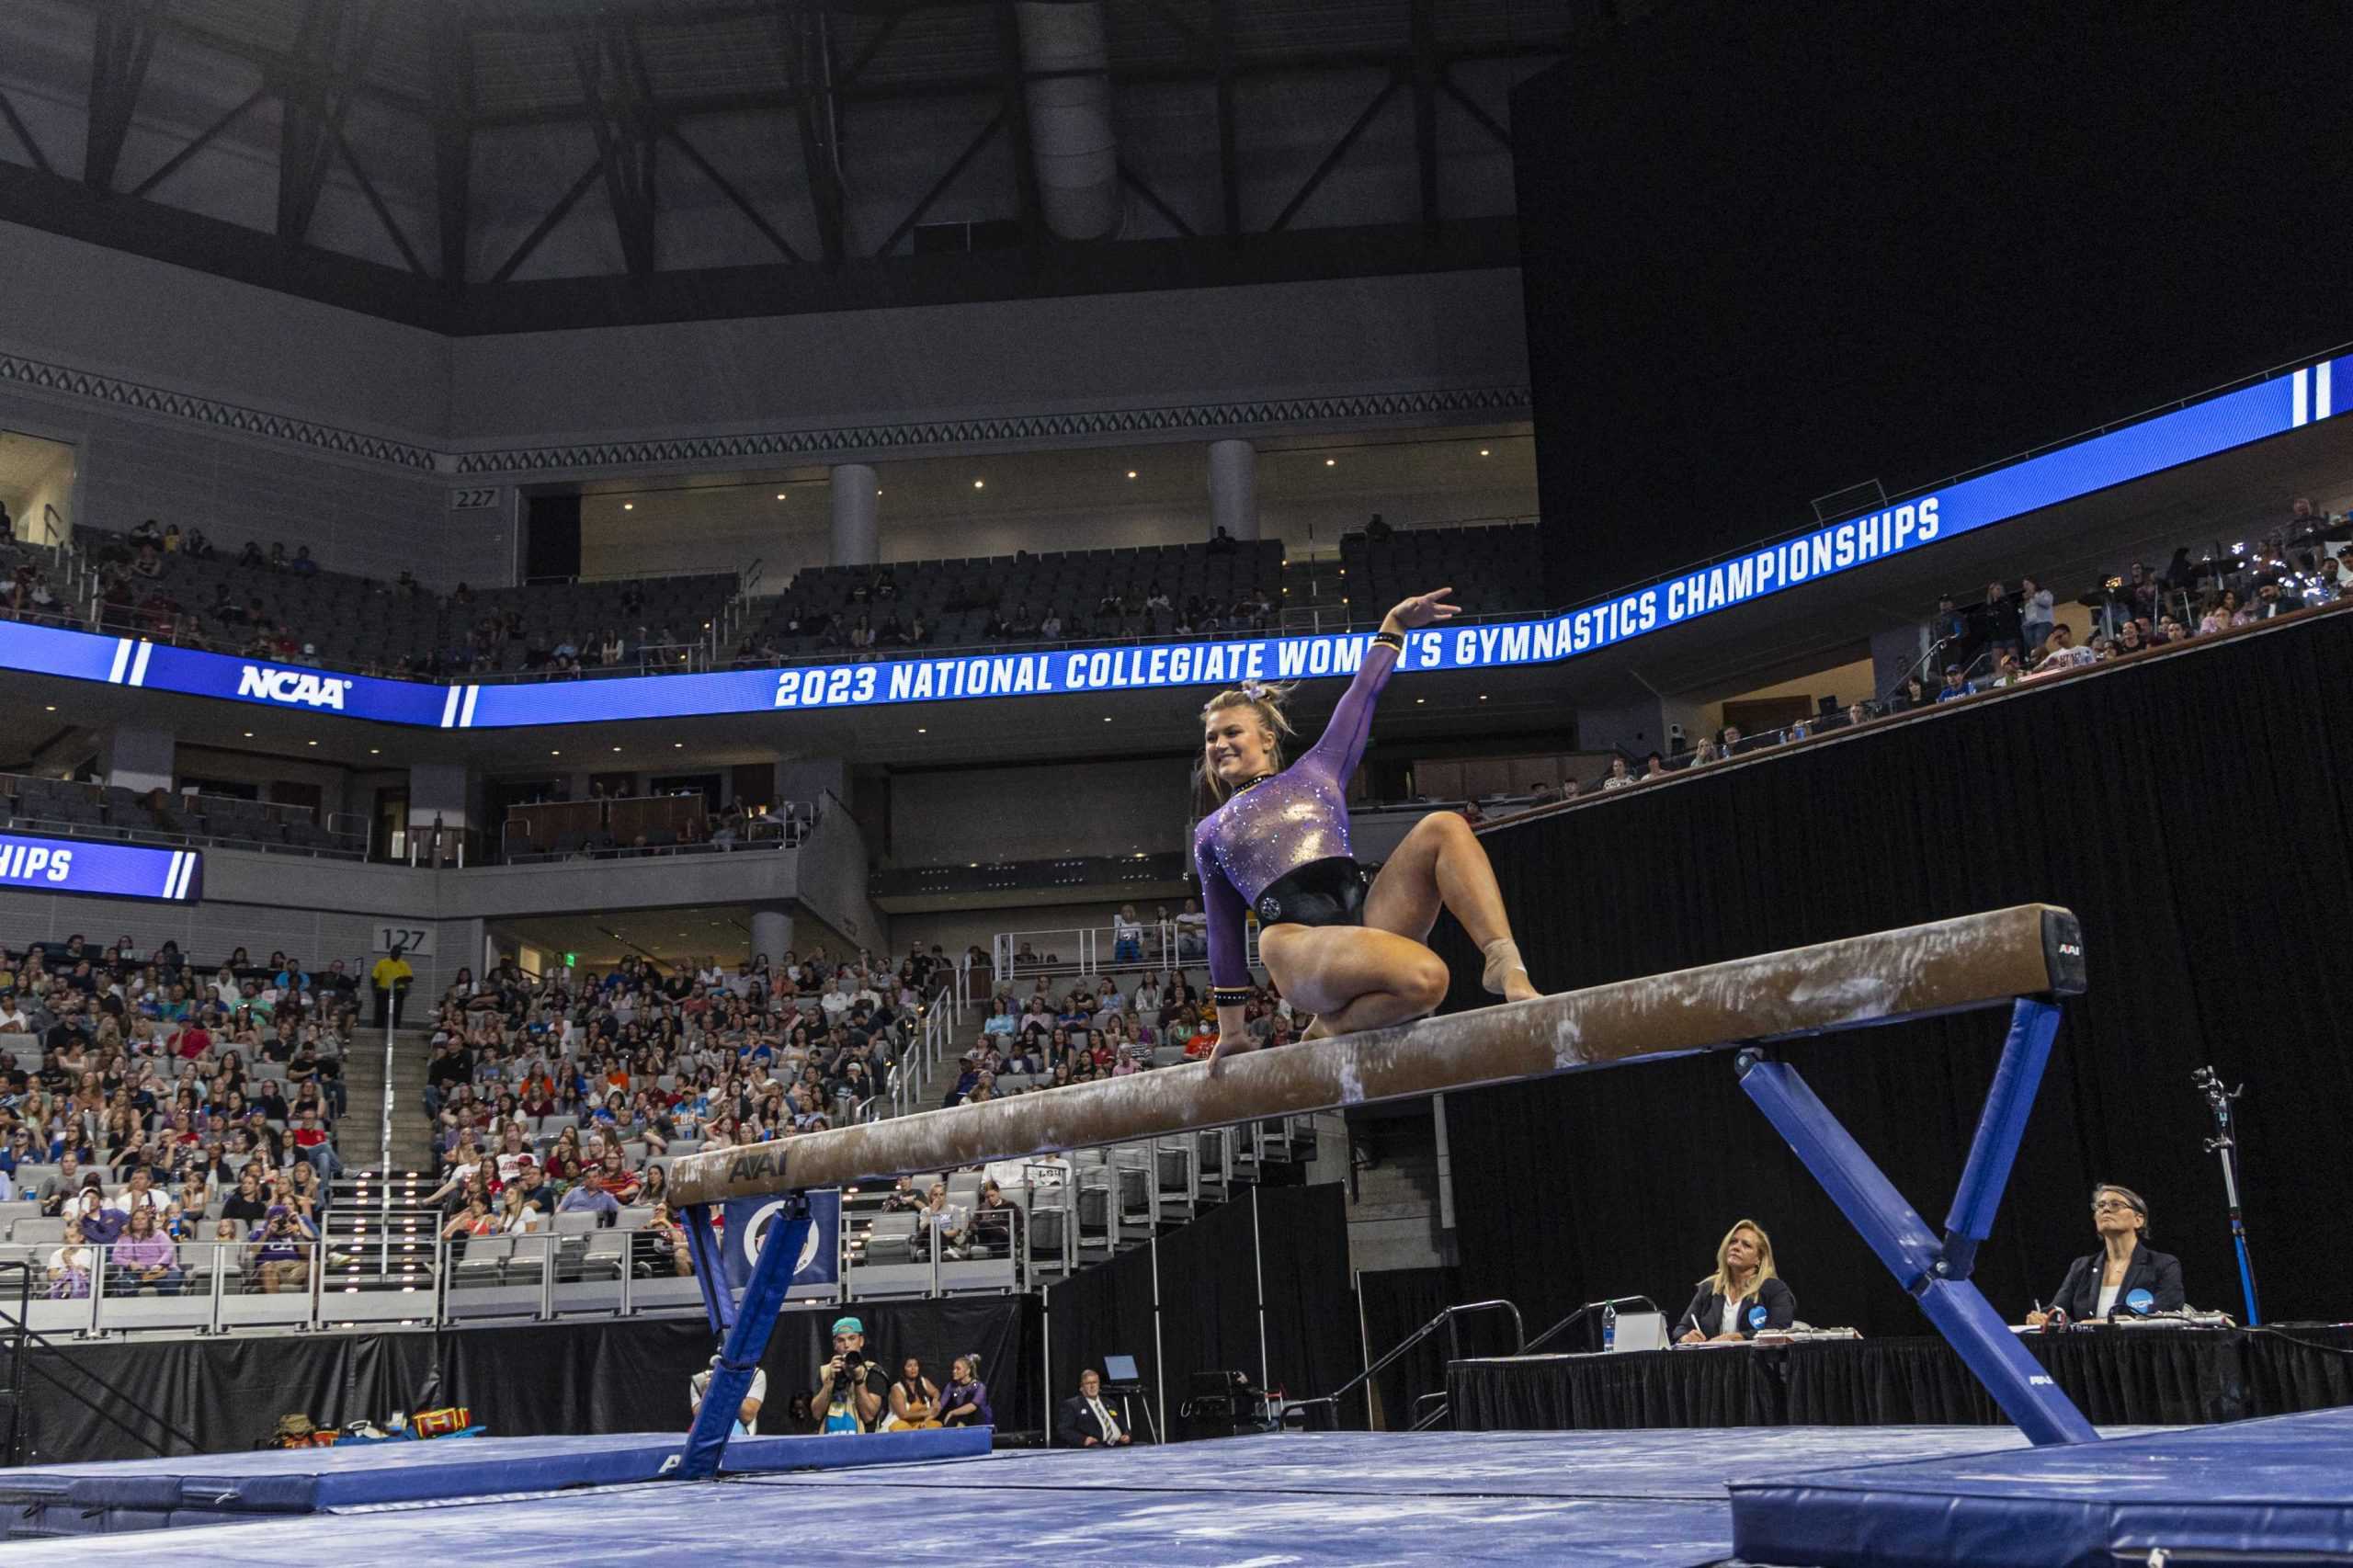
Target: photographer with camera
747 1415
850 1388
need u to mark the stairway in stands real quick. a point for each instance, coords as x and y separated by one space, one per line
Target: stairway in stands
411 1134
379 1231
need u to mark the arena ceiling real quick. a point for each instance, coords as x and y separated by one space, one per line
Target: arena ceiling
499 165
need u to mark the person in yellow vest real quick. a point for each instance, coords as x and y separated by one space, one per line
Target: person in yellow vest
392 975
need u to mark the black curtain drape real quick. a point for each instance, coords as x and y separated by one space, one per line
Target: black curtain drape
2192 810
543 1378
2143 1377
1396 1302
1209 1298
1312 1341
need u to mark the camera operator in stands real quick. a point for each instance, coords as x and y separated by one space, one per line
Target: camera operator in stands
2125 1273
850 1388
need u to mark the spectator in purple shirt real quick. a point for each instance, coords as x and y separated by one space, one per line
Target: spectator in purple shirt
100 1225
146 1256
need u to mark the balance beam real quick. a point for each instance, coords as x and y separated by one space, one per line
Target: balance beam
1945 966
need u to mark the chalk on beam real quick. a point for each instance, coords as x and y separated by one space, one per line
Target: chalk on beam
1974 960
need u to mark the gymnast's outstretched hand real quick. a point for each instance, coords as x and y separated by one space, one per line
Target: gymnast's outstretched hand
1420 610
1229 1045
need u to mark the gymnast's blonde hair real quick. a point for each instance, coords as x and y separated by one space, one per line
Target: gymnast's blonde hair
1719 1281
1263 700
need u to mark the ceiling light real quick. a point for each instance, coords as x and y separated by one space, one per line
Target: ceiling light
616 748
1482 452
629 506
52 708
677 746
1331 462
1482 697
375 751
249 735
1106 719
1419 700
310 742
1132 473
921 731
555 753
780 494
979 483
878 493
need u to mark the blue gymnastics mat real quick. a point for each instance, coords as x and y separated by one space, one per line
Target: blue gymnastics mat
1639 1499
2251 1493
130 1495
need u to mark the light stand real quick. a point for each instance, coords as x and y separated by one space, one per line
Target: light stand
2224 1143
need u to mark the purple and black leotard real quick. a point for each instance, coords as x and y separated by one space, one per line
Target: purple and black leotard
1281 846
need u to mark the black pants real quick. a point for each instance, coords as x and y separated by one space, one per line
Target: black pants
388 1003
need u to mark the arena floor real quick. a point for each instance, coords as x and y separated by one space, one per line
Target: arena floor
1653 1498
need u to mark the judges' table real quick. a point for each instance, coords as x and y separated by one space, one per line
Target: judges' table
2119 1376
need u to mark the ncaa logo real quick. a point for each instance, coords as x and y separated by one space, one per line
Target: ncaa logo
756 1231
293 686
1270 907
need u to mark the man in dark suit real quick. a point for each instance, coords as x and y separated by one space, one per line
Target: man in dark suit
2125 1273
1086 1421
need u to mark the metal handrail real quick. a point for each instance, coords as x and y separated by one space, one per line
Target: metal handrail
1580 1316
21 1333
1444 1320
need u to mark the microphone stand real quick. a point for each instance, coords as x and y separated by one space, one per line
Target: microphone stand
2225 1144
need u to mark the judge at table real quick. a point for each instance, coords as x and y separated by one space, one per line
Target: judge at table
2124 1272
1086 1421
1743 1296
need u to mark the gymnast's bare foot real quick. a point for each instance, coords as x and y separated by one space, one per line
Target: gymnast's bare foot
1229 1045
1315 1029
1505 975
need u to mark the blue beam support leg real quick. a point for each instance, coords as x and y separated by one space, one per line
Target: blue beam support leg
748 1337
1901 1238
2025 1053
710 1272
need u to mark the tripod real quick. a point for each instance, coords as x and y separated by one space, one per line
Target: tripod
2224 1143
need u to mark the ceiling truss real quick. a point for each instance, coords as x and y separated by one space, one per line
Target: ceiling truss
833 55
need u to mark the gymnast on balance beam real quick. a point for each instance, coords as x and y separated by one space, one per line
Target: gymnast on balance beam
1339 941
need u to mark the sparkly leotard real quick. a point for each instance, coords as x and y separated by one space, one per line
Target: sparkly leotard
1274 827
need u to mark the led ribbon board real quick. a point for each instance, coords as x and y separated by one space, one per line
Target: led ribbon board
2168 441
39 864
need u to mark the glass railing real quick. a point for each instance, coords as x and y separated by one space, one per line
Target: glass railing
1144 947
403 1269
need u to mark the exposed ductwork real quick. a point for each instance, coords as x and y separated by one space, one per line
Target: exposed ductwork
1071 137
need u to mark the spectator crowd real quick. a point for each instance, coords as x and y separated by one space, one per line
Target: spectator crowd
2012 635
566 1092
150 1100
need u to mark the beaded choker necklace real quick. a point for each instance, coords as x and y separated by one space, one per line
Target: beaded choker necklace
1249 784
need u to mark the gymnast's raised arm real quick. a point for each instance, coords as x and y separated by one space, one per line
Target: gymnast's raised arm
1341 746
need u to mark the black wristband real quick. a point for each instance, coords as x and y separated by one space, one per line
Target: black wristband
1229 996
1392 640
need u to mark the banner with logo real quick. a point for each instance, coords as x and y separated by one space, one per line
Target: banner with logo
2234 418
42 864
743 1224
